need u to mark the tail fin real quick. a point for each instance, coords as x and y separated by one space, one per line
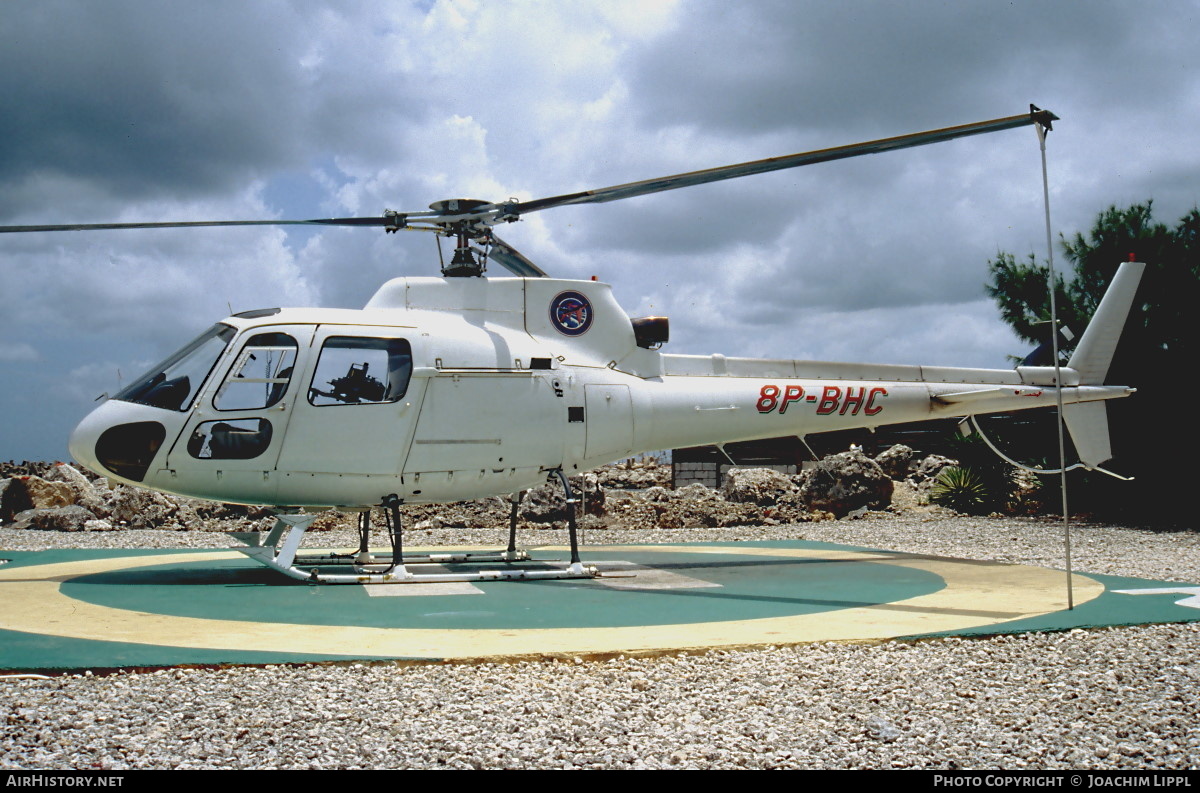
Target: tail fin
1088 421
1088 424
1095 350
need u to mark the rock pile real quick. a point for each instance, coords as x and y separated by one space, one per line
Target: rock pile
58 497
636 474
634 494
844 483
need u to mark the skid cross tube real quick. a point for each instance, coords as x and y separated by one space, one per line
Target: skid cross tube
512 521
572 528
280 551
391 515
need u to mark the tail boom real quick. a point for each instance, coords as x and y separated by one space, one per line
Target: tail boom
702 400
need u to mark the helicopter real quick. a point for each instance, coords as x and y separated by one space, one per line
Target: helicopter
462 386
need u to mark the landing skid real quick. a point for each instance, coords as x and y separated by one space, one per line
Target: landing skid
280 550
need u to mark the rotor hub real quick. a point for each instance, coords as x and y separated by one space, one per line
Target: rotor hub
455 206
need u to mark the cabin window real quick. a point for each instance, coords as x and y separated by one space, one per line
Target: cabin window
260 375
174 383
232 439
361 371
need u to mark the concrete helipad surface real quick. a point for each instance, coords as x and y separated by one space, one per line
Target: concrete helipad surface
127 608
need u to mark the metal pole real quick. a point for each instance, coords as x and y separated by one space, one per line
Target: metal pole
1062 453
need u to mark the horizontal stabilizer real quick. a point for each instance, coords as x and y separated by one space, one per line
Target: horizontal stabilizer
959 397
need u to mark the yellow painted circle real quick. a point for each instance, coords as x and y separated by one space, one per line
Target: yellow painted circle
975 594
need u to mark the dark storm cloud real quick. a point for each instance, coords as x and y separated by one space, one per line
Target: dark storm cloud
865 66
141 99
146 97
916 227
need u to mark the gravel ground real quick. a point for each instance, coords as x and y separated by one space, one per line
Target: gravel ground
1114 698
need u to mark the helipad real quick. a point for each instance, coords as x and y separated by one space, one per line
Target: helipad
128 608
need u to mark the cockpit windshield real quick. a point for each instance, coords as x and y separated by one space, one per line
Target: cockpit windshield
174 383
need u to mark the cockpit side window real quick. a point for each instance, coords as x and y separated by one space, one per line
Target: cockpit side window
232 439
259 377
174 383
358 371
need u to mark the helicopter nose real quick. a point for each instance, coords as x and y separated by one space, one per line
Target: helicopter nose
82 444
117 439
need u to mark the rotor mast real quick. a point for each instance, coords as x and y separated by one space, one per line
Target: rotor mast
466 261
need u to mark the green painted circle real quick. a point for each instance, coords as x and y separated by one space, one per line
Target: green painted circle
750 587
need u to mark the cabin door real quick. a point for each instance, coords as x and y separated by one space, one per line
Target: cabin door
357 408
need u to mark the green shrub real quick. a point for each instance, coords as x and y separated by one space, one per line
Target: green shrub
962 490
994 480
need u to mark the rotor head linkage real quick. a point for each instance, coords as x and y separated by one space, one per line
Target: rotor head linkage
465 263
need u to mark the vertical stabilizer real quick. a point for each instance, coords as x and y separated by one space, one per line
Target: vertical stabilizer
1088 424
1095 350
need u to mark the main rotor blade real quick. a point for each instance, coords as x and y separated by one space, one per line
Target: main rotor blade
470 217
632 189
396 221
509 257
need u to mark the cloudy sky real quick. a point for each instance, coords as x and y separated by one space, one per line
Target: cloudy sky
131 110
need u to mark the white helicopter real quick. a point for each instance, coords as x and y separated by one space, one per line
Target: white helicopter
460 387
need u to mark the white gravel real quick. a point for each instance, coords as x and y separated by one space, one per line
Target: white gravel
1114 698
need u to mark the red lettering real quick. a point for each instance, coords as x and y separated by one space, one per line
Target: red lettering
830 396
767 398
872 408
853 399
857 399
791 394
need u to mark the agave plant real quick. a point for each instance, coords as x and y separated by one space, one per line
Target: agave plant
960 489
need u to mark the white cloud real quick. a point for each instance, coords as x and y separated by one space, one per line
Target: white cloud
18 351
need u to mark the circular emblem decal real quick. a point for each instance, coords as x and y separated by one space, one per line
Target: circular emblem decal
571 313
